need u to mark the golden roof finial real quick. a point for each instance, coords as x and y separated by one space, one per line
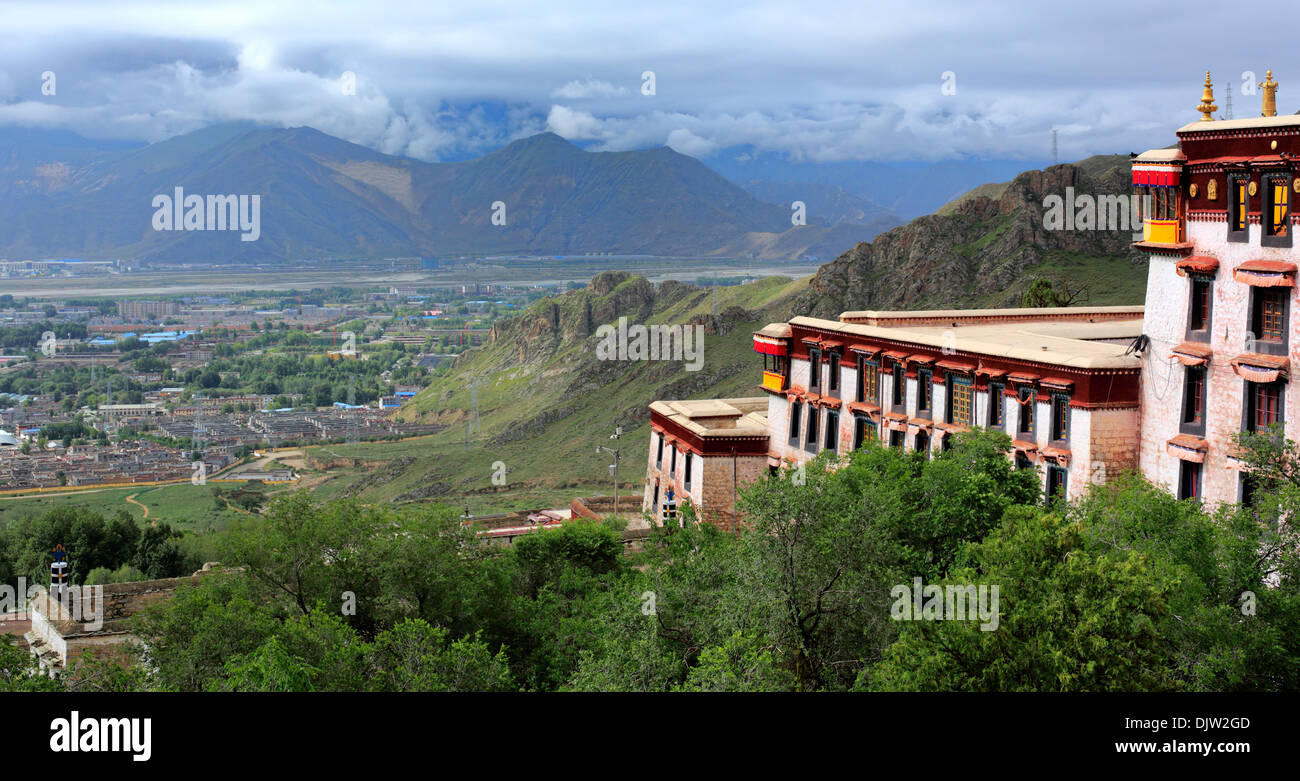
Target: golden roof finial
1207 107
1270 95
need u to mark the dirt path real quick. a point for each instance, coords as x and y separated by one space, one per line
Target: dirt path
132 500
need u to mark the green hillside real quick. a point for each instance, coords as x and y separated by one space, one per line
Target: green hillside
545 401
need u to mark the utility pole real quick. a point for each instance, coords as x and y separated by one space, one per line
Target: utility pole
613 468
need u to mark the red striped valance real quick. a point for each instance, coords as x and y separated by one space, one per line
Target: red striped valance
1155 175
769 346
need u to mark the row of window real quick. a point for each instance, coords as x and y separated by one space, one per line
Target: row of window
672 467
813 436
1266 320
959 406
1275 208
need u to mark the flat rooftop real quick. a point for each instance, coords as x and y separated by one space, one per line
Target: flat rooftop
717 417
1078 344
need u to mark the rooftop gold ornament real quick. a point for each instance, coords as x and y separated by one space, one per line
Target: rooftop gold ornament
1207 107
1270 95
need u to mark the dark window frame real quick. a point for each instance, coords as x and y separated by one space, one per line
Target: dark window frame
997 405
1250 411
1190 480
922 436
898 388
950 411
814 368
925 392
1200 308
686 470
796 421
1025 410
1238 209
1194 400
1258 298
1058 478
812 429
833 369
659 457
867 367
831 436
1059 429
1267 236
863 429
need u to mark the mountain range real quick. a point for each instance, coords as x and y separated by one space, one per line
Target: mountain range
320 196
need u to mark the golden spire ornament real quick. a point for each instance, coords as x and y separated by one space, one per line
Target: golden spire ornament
1270 95
1207 107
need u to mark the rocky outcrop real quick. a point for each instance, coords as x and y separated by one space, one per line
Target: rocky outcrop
980 250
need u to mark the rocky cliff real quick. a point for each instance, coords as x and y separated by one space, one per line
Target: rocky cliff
982 250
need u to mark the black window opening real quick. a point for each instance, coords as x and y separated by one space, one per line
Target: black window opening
922 443
1056 483
833 373
924 393
945 444
899 386
832 442
1248 489
896 440
655 504
810 441
687 480
1193 421
796 413
1263 405
1268 319
1022 460
659 456
863 430
814 368
868 381
673 468
1060 417
1238 208
1189 480
1275 214
776 364
1025 418
1199 318
997 404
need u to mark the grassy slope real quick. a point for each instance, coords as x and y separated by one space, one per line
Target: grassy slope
183 505
556 460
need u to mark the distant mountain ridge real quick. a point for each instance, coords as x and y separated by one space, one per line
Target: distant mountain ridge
324 197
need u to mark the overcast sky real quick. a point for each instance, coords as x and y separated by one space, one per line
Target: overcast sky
815 80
